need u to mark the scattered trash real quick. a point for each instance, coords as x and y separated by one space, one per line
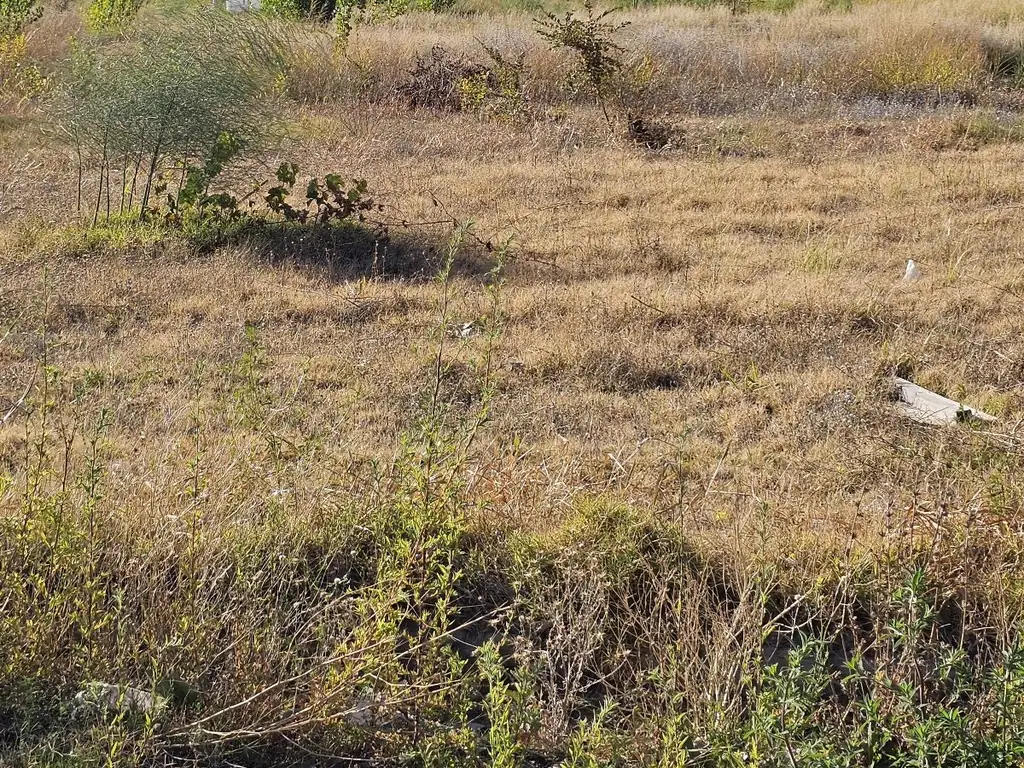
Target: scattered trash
926 407
362 713
106 698
912 273
238 6
371 712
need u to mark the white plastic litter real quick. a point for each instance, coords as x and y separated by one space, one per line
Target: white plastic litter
240 6
106 697
927 407
912 273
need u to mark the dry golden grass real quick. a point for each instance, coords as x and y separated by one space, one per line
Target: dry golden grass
729 320
705 332
709 60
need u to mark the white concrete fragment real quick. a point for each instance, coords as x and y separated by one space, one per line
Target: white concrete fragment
926 407
237 6
912 273
106 697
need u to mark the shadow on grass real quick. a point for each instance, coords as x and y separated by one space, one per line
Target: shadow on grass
349 251
334 251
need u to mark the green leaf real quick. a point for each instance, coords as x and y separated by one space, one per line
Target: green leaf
286 173
334 183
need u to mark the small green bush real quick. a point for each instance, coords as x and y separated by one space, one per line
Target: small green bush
15 15
590 38
111 15
345 12
325 202
498 90
293 10
20 79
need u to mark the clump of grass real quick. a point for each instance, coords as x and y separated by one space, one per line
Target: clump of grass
927 62
978 130
1005 60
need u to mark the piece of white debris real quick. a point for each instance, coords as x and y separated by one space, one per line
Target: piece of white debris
466 330
239 6
362 712
912 273
106 697
926 407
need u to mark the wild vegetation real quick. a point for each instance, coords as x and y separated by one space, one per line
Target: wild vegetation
491 384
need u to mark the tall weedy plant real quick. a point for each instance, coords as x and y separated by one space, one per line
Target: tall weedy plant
167 106
591 39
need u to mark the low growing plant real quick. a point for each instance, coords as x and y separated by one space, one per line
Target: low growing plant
327 200
19 78
111 15
497 90
15 15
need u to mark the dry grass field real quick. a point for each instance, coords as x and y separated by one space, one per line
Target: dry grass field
624 484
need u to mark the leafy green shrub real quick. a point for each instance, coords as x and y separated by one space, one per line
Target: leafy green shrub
436 6
111 15
327 201
15 15
289 10
344 13
206 219
320 10
511 708
19 78
498 90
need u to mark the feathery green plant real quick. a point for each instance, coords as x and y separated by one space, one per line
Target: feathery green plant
169 106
